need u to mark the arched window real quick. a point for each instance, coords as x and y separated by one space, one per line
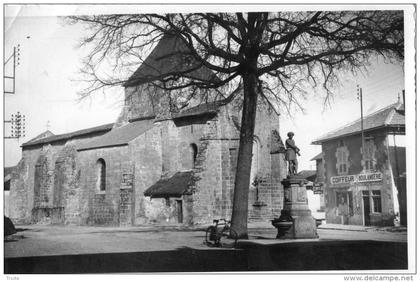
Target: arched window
255 165
193 153
100 175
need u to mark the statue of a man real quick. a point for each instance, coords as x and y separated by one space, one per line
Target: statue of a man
291 151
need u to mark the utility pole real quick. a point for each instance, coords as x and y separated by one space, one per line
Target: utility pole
360 97
16 61
17 122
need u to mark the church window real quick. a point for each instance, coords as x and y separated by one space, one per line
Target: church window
100 175
255 165
193 153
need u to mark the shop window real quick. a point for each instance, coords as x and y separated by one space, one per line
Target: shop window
344 202
376 201
342 155
100 175
350 201
368 162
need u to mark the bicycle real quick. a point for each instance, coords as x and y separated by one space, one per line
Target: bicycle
221 228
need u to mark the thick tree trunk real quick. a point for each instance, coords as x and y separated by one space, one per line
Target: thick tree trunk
242 178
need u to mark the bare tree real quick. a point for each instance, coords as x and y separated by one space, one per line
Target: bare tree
274 55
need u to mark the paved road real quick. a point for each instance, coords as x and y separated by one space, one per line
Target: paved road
43 240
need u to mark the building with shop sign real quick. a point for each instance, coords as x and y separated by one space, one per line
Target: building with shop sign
365 186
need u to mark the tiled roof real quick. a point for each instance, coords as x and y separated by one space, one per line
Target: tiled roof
317 157
117 136
389 116
43 135
309 175
170 56
174 186
208 108
199 110
67 136
9 170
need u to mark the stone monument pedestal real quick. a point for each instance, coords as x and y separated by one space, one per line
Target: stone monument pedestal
295 221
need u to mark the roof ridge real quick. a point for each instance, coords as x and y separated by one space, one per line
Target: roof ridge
89 128
392 113
119 136
67 135
36 138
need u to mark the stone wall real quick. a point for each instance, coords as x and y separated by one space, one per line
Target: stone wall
102 207
162 210
19 205
146 154
143 101
22 197
38 185
216 167
207 197
66 191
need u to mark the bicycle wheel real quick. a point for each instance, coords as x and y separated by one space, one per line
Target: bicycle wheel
211 236
226 232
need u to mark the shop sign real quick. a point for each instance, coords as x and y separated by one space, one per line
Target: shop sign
359 178
318 189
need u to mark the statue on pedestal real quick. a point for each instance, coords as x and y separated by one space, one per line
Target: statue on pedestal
295 221
291 151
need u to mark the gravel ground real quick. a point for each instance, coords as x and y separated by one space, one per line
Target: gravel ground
43 240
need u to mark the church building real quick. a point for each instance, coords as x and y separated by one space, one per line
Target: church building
153 165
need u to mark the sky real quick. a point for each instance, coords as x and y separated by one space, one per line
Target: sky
47 87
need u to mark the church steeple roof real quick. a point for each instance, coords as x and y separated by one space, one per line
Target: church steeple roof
170 56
